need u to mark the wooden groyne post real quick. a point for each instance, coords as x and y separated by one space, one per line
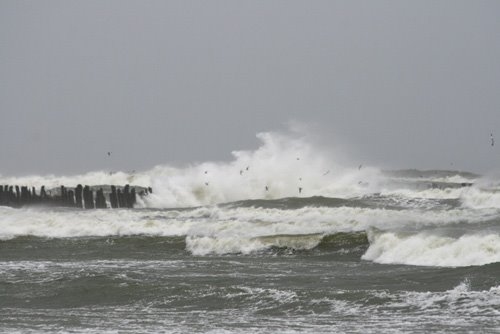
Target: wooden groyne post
78 197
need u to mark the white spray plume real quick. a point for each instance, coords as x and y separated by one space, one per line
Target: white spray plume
285 164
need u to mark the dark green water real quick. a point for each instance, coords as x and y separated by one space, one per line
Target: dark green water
419 256
146 284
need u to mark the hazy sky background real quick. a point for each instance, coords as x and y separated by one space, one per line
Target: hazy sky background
402 84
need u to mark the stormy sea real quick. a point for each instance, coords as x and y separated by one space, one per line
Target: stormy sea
282 239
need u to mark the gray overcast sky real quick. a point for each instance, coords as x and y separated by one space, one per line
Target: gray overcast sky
405 84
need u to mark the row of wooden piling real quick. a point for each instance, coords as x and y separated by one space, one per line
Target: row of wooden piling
78 197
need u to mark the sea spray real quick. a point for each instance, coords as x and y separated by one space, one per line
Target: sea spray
284 165
402 254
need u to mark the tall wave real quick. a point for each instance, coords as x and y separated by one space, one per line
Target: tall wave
284 165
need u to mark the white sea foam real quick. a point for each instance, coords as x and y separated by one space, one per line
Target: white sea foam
224 223
477 198
212 245
283 163
69 223
485 193
91 178
447 193
429 248
459 300
246 230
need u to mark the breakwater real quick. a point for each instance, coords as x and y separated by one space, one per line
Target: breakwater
85 197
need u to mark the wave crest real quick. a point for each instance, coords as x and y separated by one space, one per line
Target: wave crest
433 249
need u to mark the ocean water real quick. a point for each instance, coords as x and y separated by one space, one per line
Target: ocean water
283 239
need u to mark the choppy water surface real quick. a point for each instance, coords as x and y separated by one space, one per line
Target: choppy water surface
275 248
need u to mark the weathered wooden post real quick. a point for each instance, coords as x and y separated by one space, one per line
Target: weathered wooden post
121 202
126 196
88 198
70 198
133 198
34 197
62 197
4 195
113 199
43 195
18 195
12 196
78 196
24 200
100 201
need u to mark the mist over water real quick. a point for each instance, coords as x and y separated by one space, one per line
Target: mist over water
290 230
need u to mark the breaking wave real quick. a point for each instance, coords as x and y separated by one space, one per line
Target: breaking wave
430 248
287 195
284 165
